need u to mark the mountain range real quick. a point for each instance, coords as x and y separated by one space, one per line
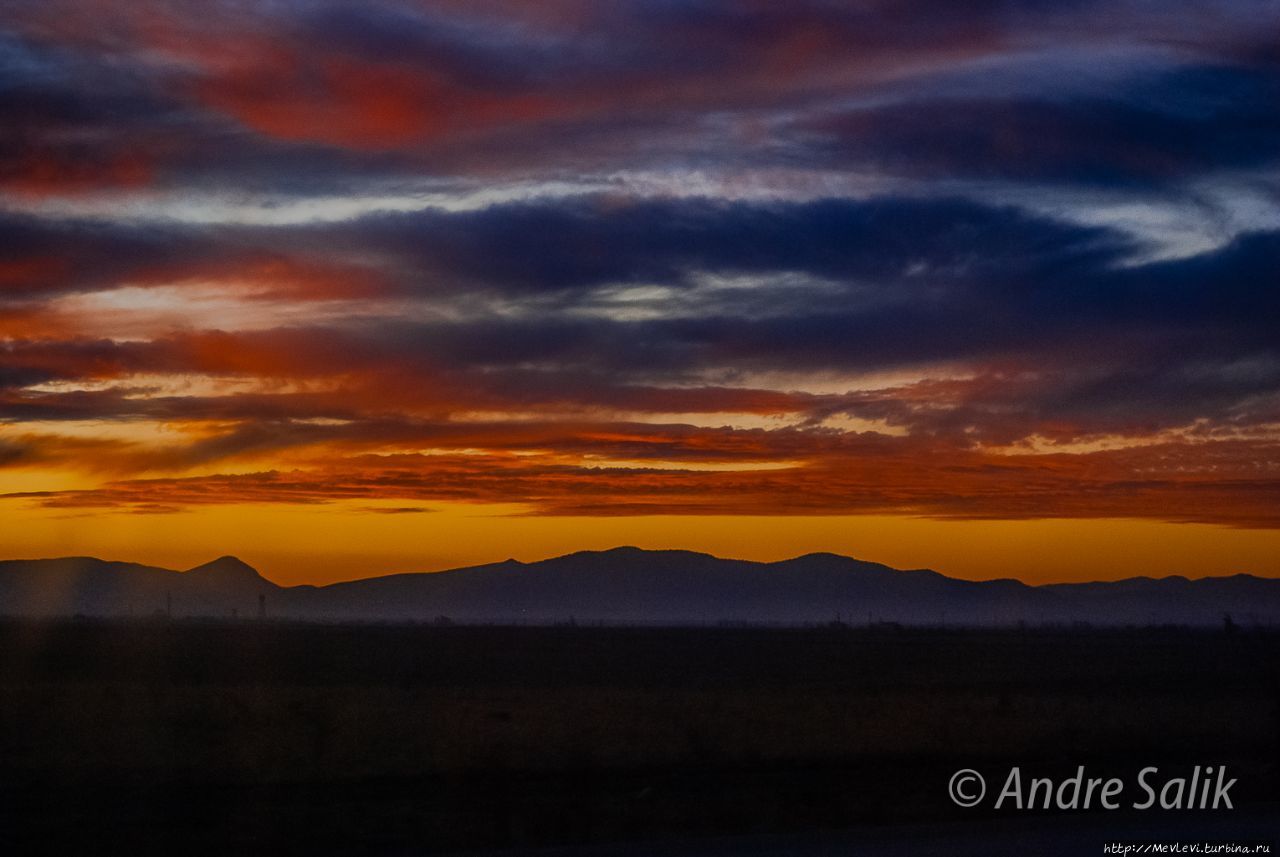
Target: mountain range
632 586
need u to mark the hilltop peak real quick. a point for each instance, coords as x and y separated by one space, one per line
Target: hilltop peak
821 556
832 561
225 566
627 556
620 550
633 551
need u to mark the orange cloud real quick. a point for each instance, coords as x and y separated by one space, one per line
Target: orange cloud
35 322
576 475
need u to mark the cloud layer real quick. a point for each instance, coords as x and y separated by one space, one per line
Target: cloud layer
621 257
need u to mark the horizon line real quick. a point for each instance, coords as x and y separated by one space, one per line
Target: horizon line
617 548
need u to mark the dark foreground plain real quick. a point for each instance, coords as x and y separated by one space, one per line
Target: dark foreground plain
261 738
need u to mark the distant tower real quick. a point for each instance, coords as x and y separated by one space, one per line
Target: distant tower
262 606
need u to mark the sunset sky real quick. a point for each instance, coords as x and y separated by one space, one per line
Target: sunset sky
351 288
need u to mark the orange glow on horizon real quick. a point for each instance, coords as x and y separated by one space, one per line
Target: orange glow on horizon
343 541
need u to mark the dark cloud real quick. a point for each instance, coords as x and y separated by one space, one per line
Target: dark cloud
1188 122
311 97
1078 336
579 244
585 242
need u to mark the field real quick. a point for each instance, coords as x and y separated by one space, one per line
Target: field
292 738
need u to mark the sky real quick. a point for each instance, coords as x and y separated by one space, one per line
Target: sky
353 288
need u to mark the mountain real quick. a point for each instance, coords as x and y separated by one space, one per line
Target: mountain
630 585
95 587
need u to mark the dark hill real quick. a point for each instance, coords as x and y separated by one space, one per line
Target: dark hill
630 585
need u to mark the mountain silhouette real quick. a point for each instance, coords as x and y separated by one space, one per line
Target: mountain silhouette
633 586
227 568
95 587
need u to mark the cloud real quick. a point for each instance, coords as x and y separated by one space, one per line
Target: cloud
902 477
1050 323
1189 121
299 94
587 299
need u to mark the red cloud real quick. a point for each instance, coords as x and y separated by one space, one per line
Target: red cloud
286 93
31 273
53 173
